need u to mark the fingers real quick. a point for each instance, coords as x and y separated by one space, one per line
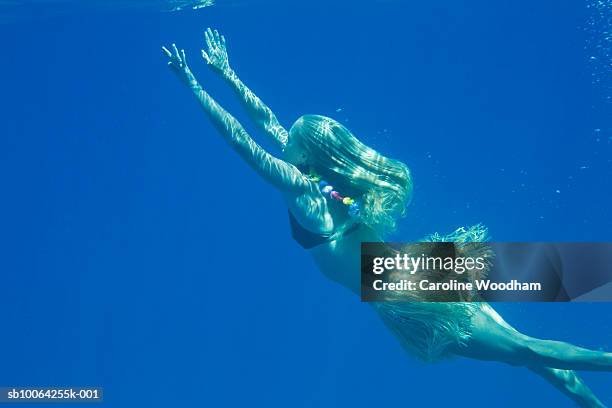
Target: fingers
214 40
220 40
209 39
167 52
217 38
184 56
169 55
176 52
206 57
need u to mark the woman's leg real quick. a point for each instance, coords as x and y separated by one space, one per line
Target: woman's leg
566 356
570 384
493 339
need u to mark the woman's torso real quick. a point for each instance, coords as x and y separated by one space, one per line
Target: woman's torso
338 259
428 330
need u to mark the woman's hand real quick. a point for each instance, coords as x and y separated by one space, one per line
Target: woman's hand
216 56
178 63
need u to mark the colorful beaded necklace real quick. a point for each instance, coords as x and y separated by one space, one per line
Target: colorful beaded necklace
328 190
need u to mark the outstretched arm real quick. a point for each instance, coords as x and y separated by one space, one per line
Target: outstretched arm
217 58
281 174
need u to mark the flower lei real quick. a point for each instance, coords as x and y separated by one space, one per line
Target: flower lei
328 190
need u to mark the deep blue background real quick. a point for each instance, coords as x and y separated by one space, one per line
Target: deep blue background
140 254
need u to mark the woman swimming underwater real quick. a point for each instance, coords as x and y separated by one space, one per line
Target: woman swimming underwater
370 192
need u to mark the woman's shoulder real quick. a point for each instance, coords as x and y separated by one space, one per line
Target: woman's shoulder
310 210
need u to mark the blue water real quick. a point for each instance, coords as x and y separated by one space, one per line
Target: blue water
140 254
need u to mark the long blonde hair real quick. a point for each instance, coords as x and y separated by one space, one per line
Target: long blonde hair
384 184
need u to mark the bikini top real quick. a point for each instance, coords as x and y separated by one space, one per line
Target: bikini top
308 239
